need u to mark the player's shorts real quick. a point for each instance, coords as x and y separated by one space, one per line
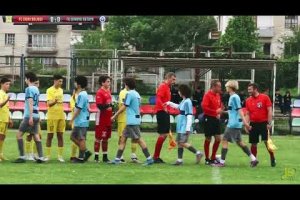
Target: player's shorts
163 122
182 137
40 132
121 127
102 132
232 134
25 127
258 128
79 133
132 131
3 127
56 125
211 125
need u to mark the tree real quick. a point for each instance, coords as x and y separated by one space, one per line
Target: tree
152 33
287 67
241 35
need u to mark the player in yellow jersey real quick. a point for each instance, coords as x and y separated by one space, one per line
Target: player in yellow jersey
5 120
30 146
56 121
74 147
122 124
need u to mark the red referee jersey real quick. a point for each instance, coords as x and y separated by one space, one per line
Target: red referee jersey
163 95
210 103
103 117
258 108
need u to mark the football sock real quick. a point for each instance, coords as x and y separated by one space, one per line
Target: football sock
206 148
39 148
146 152
254 150
119 153
271 154
215 149
158 146
223 153
180 152
81 154
73 149
133 147
48 152
34 149
60 151
104 145
192 149
21 147
246 150
96 146
28 147
252 157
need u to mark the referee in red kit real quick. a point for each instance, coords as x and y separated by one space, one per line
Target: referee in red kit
259 111
212 109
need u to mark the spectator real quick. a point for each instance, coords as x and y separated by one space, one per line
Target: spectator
175 98
278 100
287 100
197 99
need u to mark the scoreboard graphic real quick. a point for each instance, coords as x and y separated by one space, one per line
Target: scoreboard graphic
59 20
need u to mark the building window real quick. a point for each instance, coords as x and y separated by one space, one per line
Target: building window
9 38
42 40
9 60
47 61
291 21
267 48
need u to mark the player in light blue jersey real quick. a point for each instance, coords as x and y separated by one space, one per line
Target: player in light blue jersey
31 120
184 124
235 122
133 120
81 120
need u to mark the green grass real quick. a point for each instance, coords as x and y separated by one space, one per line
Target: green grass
237 170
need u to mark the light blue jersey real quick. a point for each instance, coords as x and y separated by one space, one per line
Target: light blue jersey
132 103
185 108
82 103
32 92
234 104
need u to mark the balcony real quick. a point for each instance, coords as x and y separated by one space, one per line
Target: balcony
41 50
266 32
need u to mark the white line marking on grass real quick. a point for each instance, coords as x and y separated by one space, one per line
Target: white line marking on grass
216 175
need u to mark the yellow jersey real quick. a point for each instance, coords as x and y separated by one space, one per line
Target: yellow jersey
56 111
4 116
122 95
73 101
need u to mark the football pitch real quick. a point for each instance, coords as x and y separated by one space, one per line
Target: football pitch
237 170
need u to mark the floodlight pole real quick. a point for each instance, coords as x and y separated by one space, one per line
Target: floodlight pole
273 107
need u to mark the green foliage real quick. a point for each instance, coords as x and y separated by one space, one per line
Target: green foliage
151 33
241 35
292 44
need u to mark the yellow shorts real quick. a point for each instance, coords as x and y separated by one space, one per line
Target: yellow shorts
121 127
3 127
56 125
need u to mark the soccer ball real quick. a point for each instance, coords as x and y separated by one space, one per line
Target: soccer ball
218 158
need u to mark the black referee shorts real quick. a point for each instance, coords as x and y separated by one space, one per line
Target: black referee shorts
258 128
211 125
163 122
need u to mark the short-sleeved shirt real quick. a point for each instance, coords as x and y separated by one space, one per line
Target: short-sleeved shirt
258 108
82 103
57 110
132 103
33 93
4 110
122 95
234 105
103 117
210 103
185 108
163 95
